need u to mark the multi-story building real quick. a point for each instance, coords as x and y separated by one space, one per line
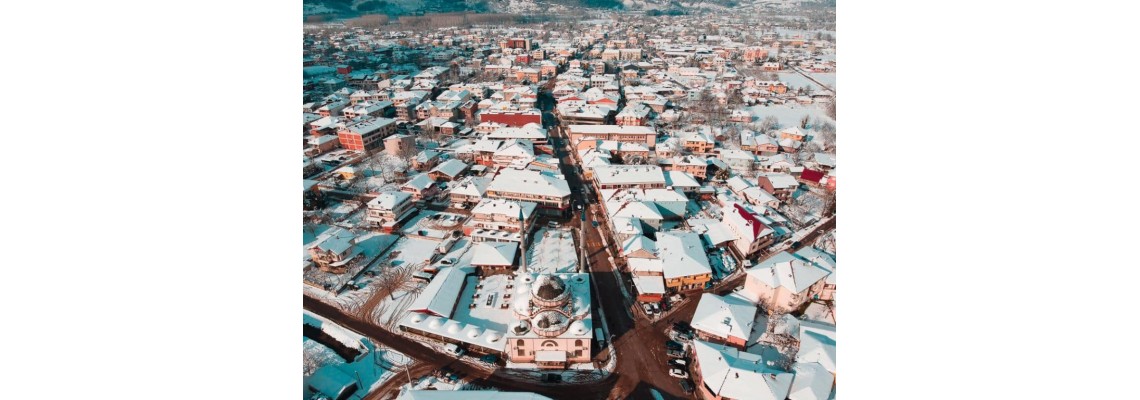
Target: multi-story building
366 134
780 185
628 176
630 134
785 282
500 220
389 208
686 266
634 114
726 373
335 251
751 234
469 190
724 320
549 190
508 117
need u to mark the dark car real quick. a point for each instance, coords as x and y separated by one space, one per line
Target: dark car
675 353
594 223
671 345
687 386
682 326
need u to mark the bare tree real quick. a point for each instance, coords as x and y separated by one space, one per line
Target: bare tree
769 123
827 134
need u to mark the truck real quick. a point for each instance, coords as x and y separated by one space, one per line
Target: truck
445 247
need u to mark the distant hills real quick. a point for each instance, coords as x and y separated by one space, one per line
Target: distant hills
394 8
352 8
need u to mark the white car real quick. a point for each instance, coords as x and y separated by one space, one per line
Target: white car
678 373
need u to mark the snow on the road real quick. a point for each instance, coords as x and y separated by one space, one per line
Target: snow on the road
553 250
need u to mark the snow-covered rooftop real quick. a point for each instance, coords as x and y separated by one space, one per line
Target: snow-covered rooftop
494 253
455 330
787 271
527 181
438 297
684 252
724 316
731 373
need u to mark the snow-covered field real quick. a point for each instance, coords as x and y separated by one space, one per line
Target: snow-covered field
553 250
411 250
789 114
826 78
491 317
795 81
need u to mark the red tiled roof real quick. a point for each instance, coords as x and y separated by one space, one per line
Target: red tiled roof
811 175
757 226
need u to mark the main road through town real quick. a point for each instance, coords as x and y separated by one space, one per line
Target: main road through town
641 364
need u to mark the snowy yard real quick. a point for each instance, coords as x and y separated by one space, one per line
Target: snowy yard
789 114
411 250
492 316
552 250
703 210
371 245
795 81
434 225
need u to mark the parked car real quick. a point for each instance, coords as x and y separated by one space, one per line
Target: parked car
552 224
682 326
678 373
594 223
671 345
675 353
447 261
687 386
648 307
453 349
681 337
679 363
